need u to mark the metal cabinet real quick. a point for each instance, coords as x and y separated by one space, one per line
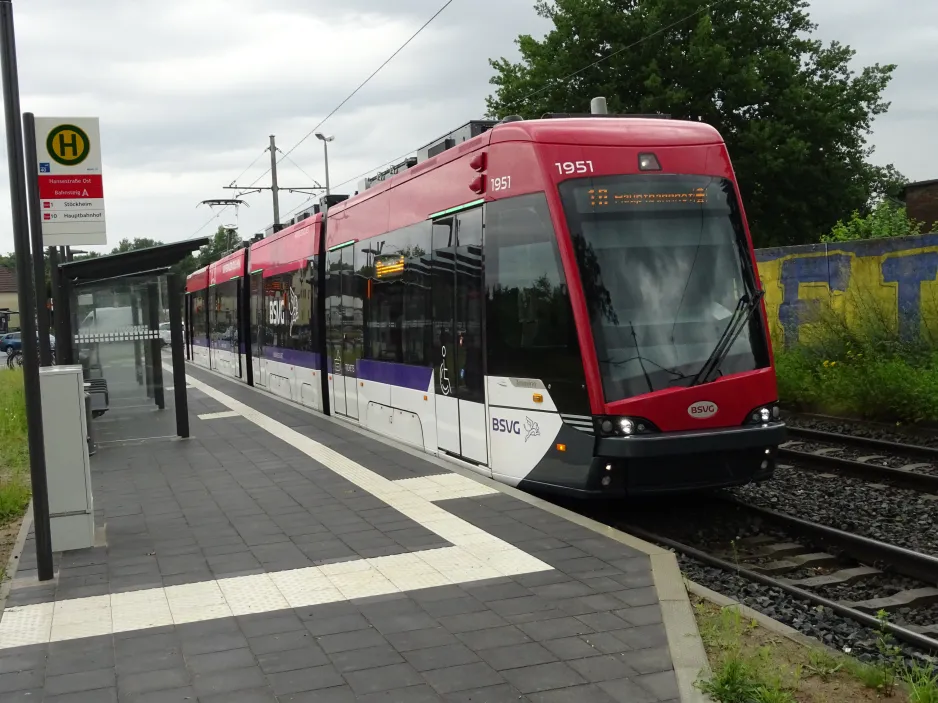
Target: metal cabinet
68 467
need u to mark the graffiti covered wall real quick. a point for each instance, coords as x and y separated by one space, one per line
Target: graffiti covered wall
898 277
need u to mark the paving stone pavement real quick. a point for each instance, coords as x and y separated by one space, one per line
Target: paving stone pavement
235 567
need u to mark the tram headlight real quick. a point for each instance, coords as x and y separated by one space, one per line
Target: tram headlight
625 426
763 413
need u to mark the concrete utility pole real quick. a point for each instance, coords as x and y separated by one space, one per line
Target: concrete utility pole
274 186
274 189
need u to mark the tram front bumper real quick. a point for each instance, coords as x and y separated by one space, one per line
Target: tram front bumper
683 461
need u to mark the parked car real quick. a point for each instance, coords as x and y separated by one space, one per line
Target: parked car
6 340
13 342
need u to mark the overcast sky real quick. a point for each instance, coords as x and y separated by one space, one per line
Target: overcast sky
189 90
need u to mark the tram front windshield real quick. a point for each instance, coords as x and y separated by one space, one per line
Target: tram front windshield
664 262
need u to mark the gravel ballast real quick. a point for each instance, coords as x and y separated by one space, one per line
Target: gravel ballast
899 516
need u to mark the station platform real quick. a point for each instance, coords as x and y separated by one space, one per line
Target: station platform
279 555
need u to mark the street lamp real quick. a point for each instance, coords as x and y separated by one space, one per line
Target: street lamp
325 145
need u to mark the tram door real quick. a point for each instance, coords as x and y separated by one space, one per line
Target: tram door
344 315
458 304
258 327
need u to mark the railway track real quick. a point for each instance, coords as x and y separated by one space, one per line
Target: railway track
907 465
853 576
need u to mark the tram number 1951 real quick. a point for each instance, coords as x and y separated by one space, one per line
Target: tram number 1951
502 183
569 167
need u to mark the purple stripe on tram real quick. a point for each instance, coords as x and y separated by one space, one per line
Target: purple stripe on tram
308 360
393 374
222 345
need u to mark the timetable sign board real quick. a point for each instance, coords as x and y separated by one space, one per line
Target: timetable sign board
71 192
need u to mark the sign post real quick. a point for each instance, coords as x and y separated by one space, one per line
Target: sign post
71 189
35 233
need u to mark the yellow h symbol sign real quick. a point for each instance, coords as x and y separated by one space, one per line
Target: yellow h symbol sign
70 143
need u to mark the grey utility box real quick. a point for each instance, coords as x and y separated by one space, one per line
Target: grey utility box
68 467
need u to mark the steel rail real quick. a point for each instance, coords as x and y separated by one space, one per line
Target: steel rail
878 425
907 562
914 638
886 445
861 469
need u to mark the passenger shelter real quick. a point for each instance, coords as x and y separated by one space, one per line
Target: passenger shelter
110 313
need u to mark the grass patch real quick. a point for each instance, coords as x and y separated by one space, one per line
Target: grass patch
744 670
14 449
752 665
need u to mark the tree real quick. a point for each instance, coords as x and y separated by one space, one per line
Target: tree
126 245
225 241
794 116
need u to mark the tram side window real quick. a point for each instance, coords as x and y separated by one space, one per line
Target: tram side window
199 326
530 330
287 303
224 315
398 324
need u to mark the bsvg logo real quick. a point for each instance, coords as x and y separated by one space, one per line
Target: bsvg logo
702 409
530 427
509 426
277 311
281 310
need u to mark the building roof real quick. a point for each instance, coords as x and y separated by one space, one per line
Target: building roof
916 184
7 280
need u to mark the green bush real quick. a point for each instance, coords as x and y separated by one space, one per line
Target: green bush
14 449
859 367
860 385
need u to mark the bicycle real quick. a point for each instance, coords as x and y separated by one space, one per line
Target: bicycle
14 358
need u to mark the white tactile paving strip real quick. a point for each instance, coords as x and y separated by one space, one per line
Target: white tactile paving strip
218 416
475 555
445 487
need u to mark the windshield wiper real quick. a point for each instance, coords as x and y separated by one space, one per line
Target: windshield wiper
738 320
651 386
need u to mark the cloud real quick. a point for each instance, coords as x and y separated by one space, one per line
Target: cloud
189 90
